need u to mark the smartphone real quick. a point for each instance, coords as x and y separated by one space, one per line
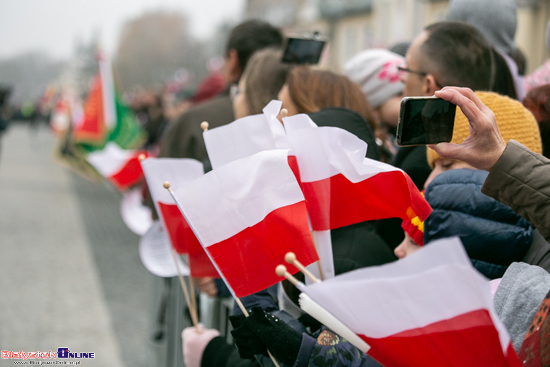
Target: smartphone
305 50
425 120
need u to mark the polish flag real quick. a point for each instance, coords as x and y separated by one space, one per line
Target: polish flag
178 172
248 214
430 309
246 136
99 109
341 186
121 167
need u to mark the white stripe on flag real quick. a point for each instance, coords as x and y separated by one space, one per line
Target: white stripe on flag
436 283
241 138
107 91
178 171
110 160
238 195
314 147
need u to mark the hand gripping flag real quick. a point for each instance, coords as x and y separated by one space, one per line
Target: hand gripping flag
341 186
430 309
178 172
121 167
248 214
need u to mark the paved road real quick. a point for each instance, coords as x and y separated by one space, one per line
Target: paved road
70 274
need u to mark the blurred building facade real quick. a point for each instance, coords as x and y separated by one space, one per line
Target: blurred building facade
355 25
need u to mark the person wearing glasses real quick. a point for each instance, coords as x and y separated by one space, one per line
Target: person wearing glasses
454 54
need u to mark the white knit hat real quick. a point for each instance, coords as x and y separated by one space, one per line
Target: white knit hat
375 70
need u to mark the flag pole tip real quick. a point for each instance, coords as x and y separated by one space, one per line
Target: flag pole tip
284 112
280 270
166 185
204 126
290 257
141 157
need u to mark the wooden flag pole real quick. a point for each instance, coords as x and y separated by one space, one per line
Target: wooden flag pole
204 126
280 270
241 306
192 310
141 157
284 113
245 313
193 296
321 274
290 258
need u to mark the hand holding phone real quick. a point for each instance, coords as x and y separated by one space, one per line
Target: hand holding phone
425 120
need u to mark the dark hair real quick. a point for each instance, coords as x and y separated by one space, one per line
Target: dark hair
503 82
458 55
538 102
251 36
265 75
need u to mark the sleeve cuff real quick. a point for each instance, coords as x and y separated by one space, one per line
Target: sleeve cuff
304 354
216 353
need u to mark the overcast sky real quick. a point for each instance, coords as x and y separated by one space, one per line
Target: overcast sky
54 25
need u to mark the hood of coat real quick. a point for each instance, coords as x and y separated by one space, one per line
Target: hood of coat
493 235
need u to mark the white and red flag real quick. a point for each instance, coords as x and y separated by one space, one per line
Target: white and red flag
430 309
341 186
246 136
248 214
120 167
179 172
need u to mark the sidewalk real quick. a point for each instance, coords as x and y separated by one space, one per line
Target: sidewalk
70 274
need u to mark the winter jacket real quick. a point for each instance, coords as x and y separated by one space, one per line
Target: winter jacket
493 235
518 296
521 179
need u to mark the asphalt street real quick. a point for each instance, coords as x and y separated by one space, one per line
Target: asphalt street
70 273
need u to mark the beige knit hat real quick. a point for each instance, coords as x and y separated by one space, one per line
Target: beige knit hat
513 120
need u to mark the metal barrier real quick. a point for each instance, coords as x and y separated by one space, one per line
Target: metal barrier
169 316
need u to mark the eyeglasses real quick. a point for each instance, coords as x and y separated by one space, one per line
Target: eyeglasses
403 70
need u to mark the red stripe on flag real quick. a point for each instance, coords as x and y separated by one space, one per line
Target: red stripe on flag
184 241
248 259
469 340
337 202
129 175
92 130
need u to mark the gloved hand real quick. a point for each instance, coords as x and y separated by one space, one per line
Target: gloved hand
273 334
246 341
194 344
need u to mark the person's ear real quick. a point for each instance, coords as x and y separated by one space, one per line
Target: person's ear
430 85
233 68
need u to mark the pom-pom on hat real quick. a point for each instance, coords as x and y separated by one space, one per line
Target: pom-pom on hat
514 121
375 70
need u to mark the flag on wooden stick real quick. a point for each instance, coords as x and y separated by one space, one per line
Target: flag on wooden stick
430 309
341 186
179 172
120 167
248 214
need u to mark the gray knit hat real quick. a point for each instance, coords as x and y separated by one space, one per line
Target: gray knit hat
375 70
495 19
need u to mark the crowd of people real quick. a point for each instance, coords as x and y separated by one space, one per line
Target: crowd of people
490 186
